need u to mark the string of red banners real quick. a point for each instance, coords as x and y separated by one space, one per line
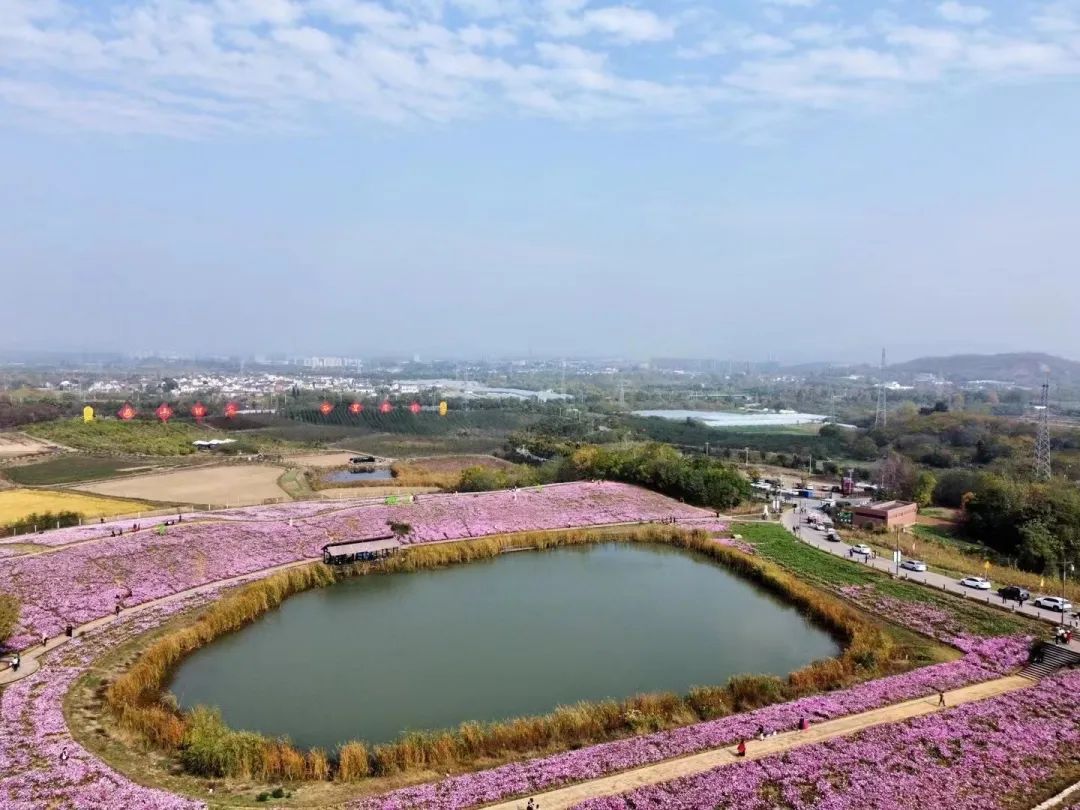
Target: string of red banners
164 411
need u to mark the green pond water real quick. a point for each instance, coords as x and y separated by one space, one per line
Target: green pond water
521 634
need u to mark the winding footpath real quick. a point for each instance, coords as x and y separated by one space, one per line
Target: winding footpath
706 761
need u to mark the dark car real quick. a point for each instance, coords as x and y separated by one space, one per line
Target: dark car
1014 593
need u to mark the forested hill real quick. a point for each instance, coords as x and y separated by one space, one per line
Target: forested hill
1023 368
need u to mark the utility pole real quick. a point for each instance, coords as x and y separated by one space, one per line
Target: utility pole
1043 470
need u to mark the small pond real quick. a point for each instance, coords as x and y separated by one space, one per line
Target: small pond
345 476
521 634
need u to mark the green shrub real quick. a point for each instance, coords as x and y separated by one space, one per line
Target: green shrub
9 615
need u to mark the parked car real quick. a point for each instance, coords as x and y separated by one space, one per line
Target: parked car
1014 592
913 565
1053 603
978 583
863 549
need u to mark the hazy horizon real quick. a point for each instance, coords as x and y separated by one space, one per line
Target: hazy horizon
786 179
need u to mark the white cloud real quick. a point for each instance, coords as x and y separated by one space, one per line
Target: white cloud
198 67
960 13
629 24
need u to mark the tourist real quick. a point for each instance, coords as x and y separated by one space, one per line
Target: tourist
112 532
761 732
740 751
804 724
44 639
117 609
531 805
64 755
15 663
69 631
940 697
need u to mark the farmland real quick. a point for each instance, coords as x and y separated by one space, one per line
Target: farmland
17 445
228 484
17 503
74 468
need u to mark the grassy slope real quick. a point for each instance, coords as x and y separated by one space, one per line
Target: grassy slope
776 543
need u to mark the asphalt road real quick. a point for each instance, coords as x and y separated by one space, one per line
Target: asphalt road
814 537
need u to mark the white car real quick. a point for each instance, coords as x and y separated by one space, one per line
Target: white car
978 583
913 565
863 549
1053 603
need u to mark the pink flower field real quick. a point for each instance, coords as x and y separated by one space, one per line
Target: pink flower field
979 756
975 756
81 583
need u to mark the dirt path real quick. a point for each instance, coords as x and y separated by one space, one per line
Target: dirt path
717 757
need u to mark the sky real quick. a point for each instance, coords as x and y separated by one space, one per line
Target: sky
743 179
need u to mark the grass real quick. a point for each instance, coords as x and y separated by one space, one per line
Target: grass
205 746
957 559
295 484
826 570
74 469
17 503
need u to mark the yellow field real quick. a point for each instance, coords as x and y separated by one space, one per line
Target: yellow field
17 503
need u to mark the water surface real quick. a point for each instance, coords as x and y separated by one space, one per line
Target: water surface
344 476
520 634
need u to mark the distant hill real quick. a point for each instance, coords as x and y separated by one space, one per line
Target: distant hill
1022 368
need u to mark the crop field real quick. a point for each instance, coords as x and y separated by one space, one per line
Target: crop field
70 469
230 484
455 464
16 445
17 503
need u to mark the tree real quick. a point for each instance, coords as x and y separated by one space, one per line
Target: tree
925 483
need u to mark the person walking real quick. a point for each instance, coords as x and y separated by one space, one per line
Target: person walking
940 697
804 724
15 663
64 755
740 750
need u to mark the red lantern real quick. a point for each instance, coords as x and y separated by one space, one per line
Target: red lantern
164 412
326 408
385 407
231 409
127 413
356 409
198 410
415 408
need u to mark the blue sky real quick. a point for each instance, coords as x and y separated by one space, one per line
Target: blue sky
794 179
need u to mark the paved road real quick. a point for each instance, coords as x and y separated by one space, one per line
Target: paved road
808 534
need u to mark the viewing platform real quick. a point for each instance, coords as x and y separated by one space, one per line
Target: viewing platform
354 551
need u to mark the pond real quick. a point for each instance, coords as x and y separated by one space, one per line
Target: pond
345 476
372 657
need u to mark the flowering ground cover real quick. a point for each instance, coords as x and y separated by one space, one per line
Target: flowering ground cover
986 659
78 584
33 733
979 756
